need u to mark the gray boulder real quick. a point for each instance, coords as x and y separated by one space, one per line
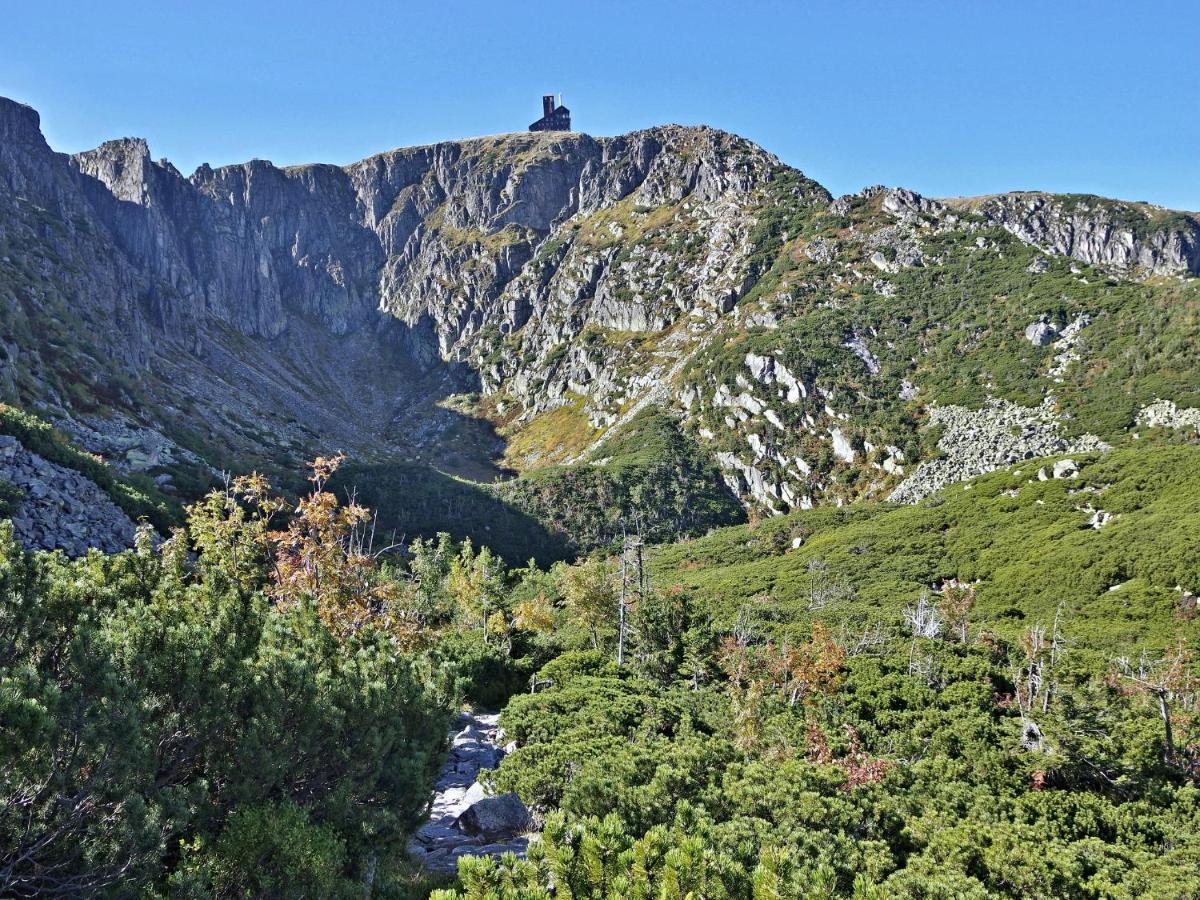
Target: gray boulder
1066 468
495 817
60 509
1041 332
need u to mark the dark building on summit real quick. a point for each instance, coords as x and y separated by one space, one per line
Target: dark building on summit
554 118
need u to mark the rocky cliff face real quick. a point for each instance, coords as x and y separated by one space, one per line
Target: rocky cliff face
540 235
549 285
432 233
1127 237
418 256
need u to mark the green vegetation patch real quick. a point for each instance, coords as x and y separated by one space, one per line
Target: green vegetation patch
1027 544
650 478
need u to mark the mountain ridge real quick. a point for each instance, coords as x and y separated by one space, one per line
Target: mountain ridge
511 302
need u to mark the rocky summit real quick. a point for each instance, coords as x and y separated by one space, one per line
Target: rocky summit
494 318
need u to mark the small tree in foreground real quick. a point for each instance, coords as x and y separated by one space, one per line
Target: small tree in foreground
589 597
323 555
1170 680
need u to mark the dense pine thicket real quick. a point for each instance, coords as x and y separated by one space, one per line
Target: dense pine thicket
896 707
232 713
982 696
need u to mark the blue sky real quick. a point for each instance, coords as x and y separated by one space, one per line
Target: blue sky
956 97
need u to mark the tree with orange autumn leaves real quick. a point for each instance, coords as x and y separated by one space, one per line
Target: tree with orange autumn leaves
798 670
322 555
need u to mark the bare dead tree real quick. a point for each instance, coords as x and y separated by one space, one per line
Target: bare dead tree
743 627
826 589
633 580
923 621
1058 647
871 641
1033 677
1170 680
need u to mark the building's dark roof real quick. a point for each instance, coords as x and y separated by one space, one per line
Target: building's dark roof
557 120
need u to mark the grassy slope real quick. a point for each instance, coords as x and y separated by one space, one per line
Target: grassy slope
1029 552
652 473
649 476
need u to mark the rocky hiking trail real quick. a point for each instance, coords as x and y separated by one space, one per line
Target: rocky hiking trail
463 819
